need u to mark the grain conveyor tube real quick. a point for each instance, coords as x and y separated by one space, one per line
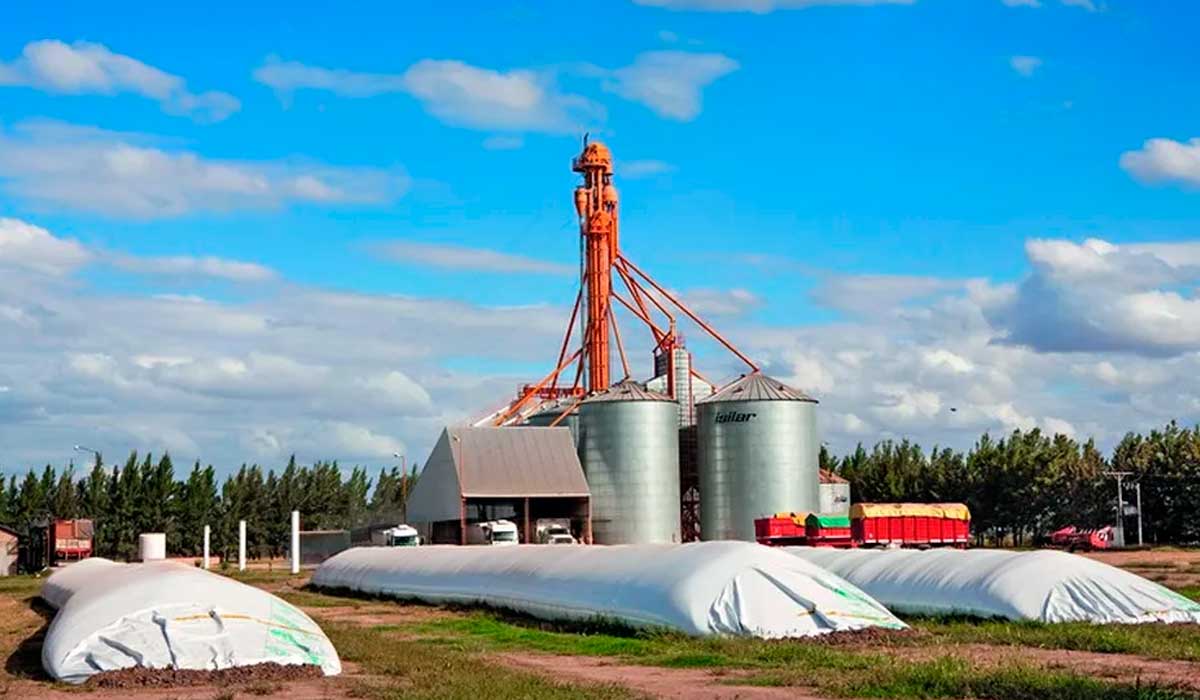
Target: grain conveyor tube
1046 586
168 615
703 588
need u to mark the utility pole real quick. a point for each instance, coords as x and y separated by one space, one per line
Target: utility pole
1119 527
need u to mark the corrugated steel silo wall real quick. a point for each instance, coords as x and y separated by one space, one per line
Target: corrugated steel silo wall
760 459
544 419
630 455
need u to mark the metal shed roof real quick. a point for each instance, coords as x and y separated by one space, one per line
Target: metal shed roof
496 463
757 387
627 390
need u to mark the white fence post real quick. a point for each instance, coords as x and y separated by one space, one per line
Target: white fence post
207 534
295 541
241 545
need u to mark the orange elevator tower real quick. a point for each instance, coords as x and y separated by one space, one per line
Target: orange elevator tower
596 205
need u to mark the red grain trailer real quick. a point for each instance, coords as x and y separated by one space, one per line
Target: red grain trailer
828 530
781 529
69 540
910 524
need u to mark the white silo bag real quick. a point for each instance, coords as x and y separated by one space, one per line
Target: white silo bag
169 615
1046 585
703 588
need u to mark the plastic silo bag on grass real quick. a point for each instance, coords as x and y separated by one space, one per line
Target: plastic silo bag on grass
704 588
169 615
1045 586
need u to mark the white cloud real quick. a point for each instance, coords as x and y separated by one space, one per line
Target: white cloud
878 294
1165 160
667 36
721 302
670 82
1025 65
453 91
761 6
356 441
1097 296
503 143
1058 426
1088 5
31 247
456 257
188 266
118 175
635 169
330 374
86 68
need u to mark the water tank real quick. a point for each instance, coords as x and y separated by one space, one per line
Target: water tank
758 455
549 412
629 446
152 546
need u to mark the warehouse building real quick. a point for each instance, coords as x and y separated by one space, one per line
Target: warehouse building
520 474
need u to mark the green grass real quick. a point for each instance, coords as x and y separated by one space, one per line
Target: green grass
1149 565
950 677
1192 592
405 668
830 668
1178 642
23 586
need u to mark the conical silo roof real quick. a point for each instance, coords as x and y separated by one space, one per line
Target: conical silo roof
757 387
627 390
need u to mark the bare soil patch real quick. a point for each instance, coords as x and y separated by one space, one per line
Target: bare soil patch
259 674
653 681
1176 568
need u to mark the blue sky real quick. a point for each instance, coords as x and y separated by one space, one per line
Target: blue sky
809 171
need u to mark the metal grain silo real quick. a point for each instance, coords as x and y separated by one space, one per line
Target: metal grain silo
629 445
758 455
550 411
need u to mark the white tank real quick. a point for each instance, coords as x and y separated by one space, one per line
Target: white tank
152 546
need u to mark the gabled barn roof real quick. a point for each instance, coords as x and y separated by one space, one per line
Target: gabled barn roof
495 463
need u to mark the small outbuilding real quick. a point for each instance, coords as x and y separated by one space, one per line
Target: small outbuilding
520 474
10 551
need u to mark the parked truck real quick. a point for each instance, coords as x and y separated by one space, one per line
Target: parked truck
554 531
492 532
400 536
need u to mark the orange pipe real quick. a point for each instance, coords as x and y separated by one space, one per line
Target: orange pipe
620 346
570 328
707 328
638 315
570 409
533 390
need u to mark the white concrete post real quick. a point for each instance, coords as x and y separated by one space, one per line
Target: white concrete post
207 534
295 541
241 545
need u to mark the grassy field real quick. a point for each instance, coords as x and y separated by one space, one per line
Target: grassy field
395 650
849 669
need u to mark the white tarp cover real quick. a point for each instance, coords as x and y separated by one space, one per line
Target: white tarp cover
1046 585
169 615
723 588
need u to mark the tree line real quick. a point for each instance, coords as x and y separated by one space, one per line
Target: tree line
1026 484
144 495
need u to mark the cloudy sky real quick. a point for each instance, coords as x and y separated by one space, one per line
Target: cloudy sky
241 233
